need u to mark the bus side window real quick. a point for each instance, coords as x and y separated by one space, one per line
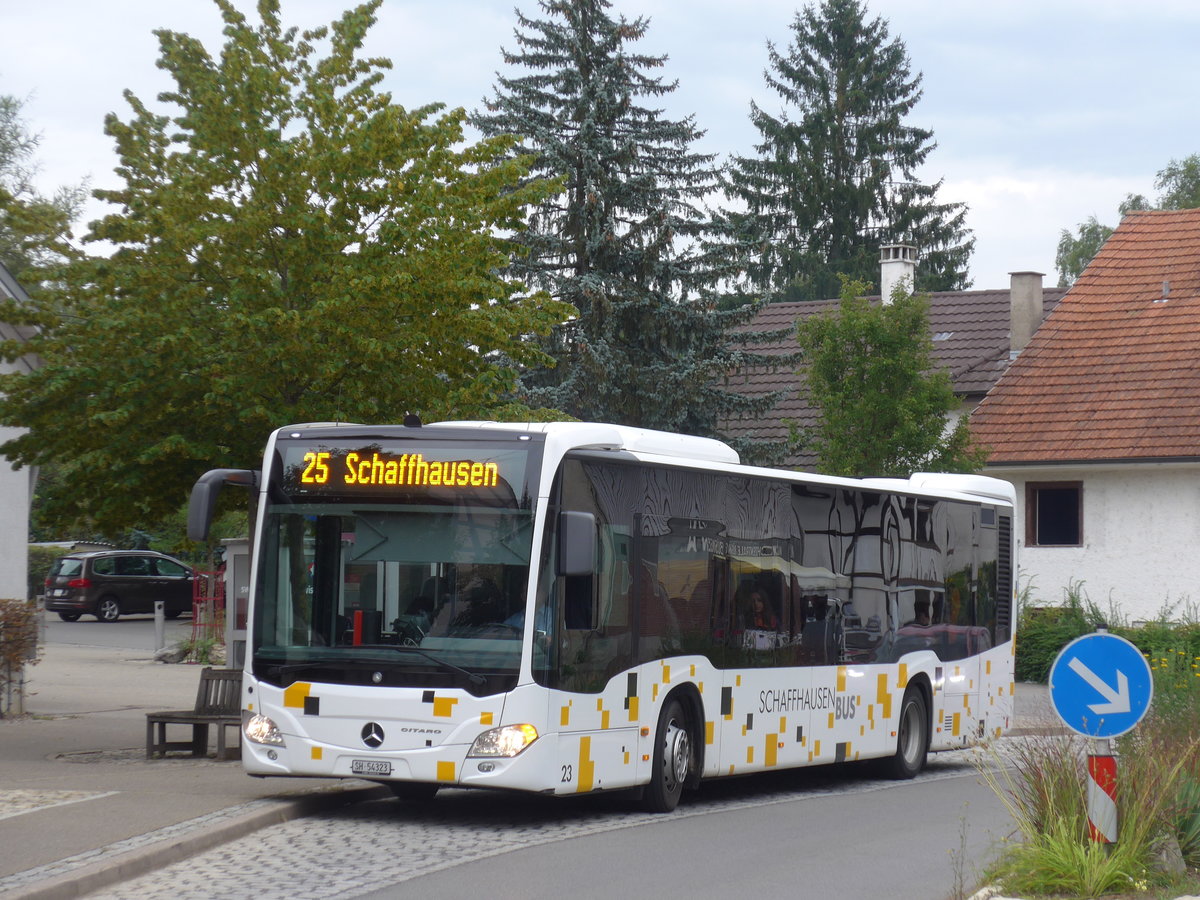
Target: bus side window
578 602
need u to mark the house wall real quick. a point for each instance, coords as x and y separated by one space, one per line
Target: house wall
14 520
1141 535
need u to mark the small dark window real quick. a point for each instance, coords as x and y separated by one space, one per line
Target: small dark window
133 565
1054 514
171 569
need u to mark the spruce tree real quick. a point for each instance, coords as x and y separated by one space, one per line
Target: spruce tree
624 239
834 175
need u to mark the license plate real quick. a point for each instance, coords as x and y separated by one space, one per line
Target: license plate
371 767
60 592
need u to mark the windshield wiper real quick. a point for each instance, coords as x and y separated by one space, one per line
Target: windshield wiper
473 677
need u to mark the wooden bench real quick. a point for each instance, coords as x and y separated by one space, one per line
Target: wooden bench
218 702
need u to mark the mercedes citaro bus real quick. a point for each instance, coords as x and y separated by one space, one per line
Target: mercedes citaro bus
574 607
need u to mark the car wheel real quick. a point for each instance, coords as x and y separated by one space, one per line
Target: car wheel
70 617
108 609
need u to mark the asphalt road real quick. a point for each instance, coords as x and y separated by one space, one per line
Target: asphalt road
911 841
127 633
818 833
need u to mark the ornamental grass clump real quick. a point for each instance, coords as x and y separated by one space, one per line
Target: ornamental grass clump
1043 782
1172 732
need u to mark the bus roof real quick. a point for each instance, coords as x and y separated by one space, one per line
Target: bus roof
599 436
646 443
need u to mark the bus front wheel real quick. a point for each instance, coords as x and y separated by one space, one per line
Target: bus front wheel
673 759
912 737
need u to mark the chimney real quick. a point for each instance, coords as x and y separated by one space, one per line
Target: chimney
897 265
1025 308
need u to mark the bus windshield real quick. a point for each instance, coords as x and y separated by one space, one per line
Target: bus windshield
394 562
397 595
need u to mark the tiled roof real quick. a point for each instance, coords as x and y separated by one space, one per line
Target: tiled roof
971 341
1114 373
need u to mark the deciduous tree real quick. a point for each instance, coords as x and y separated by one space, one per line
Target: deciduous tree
1075 251
884 408
35 229
290 245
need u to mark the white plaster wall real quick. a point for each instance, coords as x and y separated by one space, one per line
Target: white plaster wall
1141 532
14 524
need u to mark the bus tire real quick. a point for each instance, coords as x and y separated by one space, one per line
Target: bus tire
413 791
673 759
912 737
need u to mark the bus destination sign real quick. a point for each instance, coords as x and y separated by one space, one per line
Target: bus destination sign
410 469
379 470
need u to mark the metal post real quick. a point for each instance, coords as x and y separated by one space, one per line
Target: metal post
1102 792
160 626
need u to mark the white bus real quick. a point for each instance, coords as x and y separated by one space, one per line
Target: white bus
572 607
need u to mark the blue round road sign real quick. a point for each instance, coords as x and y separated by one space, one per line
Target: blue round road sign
1100 685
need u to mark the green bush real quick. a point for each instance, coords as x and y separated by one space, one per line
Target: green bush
1042 631
18 649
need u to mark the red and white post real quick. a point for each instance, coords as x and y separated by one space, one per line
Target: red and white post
1102 793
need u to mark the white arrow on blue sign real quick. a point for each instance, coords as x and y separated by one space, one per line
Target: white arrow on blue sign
1101 685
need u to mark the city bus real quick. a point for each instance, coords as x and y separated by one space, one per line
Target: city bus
567 608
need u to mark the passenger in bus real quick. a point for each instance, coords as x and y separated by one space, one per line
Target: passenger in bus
411 627
421 605
542 619
761 615
921 611
483 603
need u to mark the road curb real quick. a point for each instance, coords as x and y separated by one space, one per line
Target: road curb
124 865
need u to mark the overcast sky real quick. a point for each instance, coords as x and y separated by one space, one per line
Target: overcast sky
1044 111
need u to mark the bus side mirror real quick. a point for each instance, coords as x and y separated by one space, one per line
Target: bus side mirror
204 497
576 543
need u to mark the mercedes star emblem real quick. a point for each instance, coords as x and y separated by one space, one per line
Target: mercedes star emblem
372 734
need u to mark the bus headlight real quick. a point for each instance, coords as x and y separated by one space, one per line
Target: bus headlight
261 730
507 740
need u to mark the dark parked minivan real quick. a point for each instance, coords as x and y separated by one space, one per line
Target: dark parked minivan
110 583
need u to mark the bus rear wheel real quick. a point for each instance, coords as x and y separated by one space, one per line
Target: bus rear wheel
912 738
673 759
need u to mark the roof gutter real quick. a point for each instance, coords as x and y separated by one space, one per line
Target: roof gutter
1115 461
